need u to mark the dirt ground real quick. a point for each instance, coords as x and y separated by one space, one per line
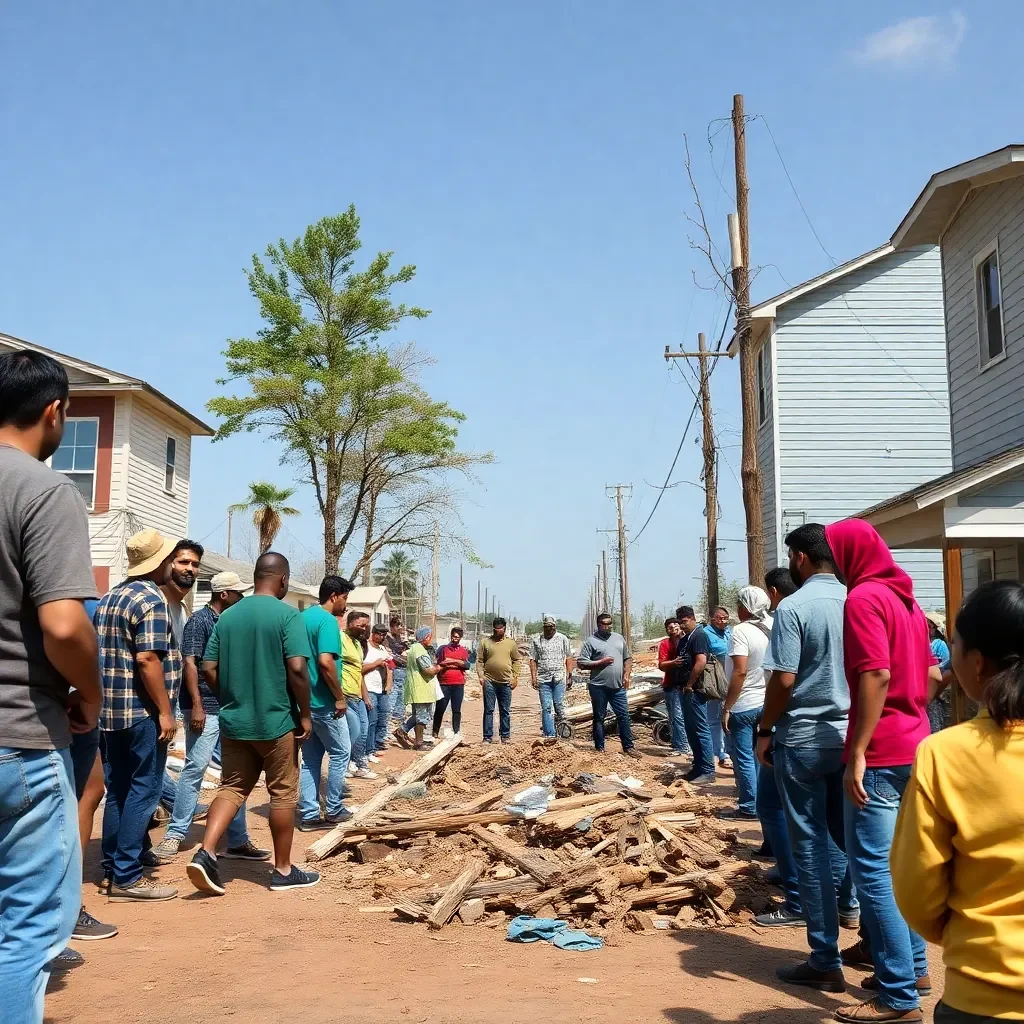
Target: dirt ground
318 955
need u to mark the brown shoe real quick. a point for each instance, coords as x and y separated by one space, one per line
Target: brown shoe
924 985
876 1010
857 955
142 891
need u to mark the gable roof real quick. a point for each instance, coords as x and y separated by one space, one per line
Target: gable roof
213 563
102 379
946 190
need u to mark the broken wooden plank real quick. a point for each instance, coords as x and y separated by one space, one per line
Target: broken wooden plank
583 881
594 851
410 910
481 803
419 769
509 850
445 908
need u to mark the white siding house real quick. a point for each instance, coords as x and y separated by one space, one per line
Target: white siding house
851 396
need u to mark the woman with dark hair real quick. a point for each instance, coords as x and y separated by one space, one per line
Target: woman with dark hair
958 853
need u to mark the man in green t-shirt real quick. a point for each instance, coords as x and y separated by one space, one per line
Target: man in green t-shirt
256 664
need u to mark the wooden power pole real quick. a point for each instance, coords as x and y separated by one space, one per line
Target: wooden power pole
462 614
604 577
740 244
710 478
435 568
623 573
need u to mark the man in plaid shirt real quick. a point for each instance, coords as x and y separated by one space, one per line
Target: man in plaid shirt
140 666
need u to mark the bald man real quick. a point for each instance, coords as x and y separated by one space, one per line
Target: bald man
256 664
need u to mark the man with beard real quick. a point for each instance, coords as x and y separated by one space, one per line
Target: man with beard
607 658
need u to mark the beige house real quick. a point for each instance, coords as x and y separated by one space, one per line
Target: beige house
300 594
375 601
127 447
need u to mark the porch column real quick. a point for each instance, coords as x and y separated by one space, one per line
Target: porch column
953 579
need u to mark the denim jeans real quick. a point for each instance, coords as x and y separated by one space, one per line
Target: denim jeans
134 761
453 695
398 695
168 789
358 728
199 748
676 721
378 715
742 739
698 732
601 697
499 694
718 741
898 953
552 699
330 737
40 874
810 781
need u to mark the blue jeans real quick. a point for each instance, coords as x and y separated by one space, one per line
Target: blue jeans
453 694
377 716
168 789
84 748
398 695
199 748
134 761
40 874
742 738
718 742
676 721
698 732
330 737
552 698
601 697
358 729
898 953
810 781
500 694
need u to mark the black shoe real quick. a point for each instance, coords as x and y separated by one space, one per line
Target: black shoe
67 959
850 920
781 918
764 852
247 851
89 928
314 825
735 814
703 780
151 859
203 874
340 818
810 977
857 955
295 879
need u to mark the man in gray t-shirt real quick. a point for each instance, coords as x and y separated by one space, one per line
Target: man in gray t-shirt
607 658
47 645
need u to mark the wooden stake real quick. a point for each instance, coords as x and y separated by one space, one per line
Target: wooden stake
445 908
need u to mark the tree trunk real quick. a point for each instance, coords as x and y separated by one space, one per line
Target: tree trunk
332 550
371 513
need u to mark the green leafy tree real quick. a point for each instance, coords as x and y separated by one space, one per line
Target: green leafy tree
268 505
571 629
401 575
652 621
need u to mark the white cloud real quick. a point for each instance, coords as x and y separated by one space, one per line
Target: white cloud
915 41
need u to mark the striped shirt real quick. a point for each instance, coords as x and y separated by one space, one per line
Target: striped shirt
131 619
198 631
550 654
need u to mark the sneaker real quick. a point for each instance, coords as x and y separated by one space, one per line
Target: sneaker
430 740
160 816
849 919
152 859
373 759
104 883
923 985
763 852
735 814
707 779
167 849
247 851
142 891
810 977
351 770
773 876
781 918
203 874
346 791
88 928
67 959
364 773
314 825
875 1009
295 879
634 753
857 955
725 762
680 753
340 818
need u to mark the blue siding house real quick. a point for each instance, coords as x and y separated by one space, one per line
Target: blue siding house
852 398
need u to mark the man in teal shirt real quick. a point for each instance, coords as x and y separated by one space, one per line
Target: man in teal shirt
330 735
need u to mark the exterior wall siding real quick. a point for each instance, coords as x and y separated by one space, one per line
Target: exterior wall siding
862 403
987 409
1008 559
149 503
766 462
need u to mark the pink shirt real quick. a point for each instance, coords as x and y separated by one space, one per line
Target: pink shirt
881 632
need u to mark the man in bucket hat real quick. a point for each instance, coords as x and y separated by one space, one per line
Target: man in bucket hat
140 666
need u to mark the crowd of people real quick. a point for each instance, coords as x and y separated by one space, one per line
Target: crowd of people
820 692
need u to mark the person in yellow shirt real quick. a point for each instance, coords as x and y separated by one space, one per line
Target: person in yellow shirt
957 857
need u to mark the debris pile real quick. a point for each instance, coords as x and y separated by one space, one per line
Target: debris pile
535 830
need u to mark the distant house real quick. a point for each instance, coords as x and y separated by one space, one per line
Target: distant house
300 594
127 447
375 601
974 514
852 402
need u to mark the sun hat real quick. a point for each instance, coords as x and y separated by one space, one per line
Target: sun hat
938 620
146 550
229 581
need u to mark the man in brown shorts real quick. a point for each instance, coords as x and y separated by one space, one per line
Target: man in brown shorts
255 663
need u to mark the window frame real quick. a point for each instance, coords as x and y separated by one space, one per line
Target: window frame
761 375
170 465
90 503
987 555
990 250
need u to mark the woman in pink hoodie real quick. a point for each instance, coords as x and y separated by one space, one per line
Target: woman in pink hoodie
887 657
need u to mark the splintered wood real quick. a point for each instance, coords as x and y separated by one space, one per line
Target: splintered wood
606 860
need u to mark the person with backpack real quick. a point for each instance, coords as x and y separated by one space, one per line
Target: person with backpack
694 653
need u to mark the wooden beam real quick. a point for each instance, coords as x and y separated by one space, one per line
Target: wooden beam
953 580
525 859
481 803
445 908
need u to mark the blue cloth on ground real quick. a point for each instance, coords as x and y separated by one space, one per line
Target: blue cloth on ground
547 929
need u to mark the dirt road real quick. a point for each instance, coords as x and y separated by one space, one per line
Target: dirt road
312 957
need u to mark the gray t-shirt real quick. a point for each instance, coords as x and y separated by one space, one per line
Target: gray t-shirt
807 640
595 648
44 556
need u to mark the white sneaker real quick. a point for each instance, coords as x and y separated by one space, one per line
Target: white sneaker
364 773
429 739
351 769
373 758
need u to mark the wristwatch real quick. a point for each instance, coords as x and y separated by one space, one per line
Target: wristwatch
765 733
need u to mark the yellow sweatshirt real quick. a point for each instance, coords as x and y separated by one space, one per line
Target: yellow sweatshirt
958 862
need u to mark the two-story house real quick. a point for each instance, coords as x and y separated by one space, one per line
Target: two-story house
974 212
852 403
127 447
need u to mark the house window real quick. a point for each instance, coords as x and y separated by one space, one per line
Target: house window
989 305
76 456
172 451
762 386
986 563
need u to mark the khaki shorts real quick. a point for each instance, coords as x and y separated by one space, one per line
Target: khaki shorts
241 762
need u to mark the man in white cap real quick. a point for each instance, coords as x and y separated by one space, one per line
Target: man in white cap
201 710
550 668
140 665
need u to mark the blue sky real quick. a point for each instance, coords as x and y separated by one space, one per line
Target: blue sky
528 158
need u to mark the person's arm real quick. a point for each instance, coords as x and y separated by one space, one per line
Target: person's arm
938 679
70 646
211 657
783 661
296 650
151 628
427 667
922 853
627 670
372 666
197 715
297 670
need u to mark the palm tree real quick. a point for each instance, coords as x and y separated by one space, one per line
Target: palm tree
400 574
267 504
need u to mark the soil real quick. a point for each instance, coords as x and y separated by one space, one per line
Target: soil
335 954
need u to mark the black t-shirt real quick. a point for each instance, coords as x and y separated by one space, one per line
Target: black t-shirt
398 649
689 648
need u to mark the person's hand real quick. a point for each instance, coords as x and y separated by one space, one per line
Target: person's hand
304 730
83 716
197 719
167 726
725 721
764 746
535 684
625 683
602 662
853 781
340 707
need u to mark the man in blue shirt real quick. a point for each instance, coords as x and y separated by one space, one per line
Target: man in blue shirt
693 653
719 634
803 731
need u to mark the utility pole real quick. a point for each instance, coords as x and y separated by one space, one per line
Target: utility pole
230 514
462 618
623 573
435 567
740 244
710 479
478 612
604 575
